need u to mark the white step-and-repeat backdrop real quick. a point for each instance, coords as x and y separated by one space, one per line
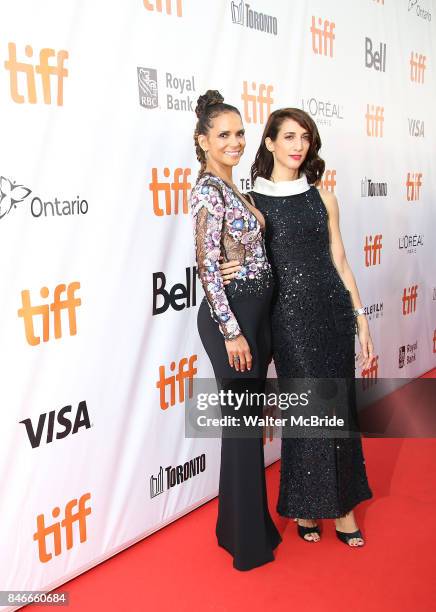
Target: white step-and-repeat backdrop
98 292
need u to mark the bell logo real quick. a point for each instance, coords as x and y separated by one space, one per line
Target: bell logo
410 295
43 531
322 37
28 312
168 6
370 374
329 180
413 185
179 184
62 419
170 381
44 69
374 121
259 98
372 250
417 67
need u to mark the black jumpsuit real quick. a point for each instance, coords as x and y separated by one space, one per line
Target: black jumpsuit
223 225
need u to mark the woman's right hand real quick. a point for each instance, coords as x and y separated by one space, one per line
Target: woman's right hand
229 269
239 354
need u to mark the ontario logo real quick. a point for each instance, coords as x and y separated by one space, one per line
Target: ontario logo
11 195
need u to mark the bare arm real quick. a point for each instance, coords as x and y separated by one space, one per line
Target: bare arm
341 264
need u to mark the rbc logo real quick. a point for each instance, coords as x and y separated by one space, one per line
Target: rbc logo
147 84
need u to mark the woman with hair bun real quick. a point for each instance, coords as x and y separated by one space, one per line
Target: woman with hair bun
234 326
316 310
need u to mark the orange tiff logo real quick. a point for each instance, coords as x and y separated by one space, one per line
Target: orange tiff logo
168 6
329 180
370 374
374 120
410 295
434 341
42 531
413 185
46 70
372 250
169 382
417 67
257 103
322 36
28 312
179 184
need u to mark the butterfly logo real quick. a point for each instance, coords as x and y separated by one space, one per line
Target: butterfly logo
11 195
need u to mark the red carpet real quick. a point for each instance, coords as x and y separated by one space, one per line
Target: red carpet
181 568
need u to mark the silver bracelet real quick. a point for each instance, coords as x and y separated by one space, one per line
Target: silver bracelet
359 311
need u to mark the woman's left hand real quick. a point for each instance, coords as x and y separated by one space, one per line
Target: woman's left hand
367 348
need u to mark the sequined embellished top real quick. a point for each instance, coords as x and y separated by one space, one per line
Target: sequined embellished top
224 225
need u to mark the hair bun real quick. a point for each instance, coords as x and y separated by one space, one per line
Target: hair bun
210 98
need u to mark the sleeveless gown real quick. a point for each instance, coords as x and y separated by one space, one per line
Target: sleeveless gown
313 331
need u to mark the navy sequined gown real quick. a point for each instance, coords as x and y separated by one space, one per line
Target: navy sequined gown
313 333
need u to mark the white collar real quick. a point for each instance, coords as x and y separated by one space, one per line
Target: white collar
282 188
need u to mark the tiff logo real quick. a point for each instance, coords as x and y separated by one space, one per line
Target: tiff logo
434 341
370 374
374 120
179 184
329 180
170 381
257 100
28 312
410 296
372 250
417 67
168 6
42 531
44 69
413 185
322 37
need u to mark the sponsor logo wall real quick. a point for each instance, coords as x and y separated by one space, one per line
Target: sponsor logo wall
99 292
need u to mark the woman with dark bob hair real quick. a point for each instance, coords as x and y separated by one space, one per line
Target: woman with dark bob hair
316 312
234 326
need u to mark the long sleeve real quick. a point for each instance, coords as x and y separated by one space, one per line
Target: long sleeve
208 211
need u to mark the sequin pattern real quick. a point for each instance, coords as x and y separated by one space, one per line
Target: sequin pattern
223 225
313 331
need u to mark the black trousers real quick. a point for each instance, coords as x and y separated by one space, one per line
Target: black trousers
244 525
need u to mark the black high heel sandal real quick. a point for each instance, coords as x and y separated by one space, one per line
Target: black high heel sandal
346 537
303 531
